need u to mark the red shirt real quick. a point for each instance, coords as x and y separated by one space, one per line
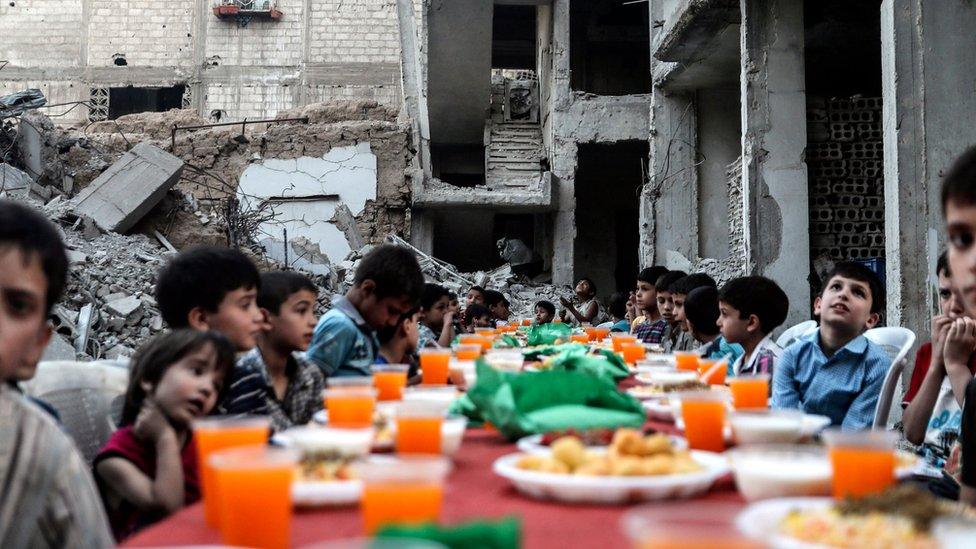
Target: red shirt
923 358
124 518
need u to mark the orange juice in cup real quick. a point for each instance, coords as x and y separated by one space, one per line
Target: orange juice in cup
350 407
526 322
467 351
633 352
418 428
619 340
434 365
863 461
600 334
218 433
704 417
750 392
390 380
713 372
687 361
579 338
401 490
254 488
590 332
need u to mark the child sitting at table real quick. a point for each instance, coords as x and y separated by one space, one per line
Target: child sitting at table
436 328
148 468
618 312
751 307
274 378
836 371
477 316
399 344
584 307
498 304
545 312
701 314
679 290
665 330
388 283
645 295
212 288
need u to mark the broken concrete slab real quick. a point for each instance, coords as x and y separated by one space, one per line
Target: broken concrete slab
124 307
76 257
127 190
14 181
58 349
119 351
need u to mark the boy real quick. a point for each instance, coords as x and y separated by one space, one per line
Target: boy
618 311
477 316
48 497
498 305
645 298
679 290
388 283
750 308
475 295
274 379
701 315
836 371
436 328
665 330
545 311
399 343
212 288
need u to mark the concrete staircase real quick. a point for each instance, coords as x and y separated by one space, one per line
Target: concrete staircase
514 153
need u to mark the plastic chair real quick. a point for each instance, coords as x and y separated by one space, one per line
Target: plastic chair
796 332
897 343
87 395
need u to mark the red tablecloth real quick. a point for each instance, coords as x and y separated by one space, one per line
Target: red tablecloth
473 491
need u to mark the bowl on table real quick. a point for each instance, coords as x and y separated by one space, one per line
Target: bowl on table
766 426
781 470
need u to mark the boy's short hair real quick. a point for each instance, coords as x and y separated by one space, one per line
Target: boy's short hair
651 274
701 309
395 271
452 296
494 297
686 284
856 271
618 305
432 292
590 281
478 289
387 333
959 184
200 277
30 232
756 295
942 265
475 310
668 278
547 306
278 286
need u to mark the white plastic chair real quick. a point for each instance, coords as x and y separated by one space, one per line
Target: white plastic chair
897 343
796 332
87 395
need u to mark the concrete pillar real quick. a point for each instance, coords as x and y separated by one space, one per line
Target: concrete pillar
563 150
422 230
928 57
776 231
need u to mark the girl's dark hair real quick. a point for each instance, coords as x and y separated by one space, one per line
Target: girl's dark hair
701 310
589 281
155 357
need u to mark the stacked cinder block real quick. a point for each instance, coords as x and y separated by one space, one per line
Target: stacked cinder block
845 164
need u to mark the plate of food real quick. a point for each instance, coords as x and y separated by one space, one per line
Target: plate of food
324 477
592 439
382 425
901 517
633 468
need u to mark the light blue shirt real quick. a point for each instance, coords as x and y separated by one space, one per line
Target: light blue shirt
843 387
719 349
343 344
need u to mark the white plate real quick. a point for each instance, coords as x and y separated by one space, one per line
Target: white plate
533 444
386 444
760 521
659 409
812 425
326 493
612 490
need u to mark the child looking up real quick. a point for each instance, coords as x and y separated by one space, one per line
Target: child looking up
545 312
477 316
618 311
498 304
664 331
645 296
679 290
585 307
751 308
388 283
274 379
436 328
48 498
148 468
212 288
701 314
836 371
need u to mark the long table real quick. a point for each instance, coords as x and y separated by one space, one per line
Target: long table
474 491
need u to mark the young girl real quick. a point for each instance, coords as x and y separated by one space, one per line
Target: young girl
148 468
586 308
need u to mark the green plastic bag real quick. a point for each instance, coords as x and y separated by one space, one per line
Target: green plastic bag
506 341
547 334
549 350
601 365
538 402
505 533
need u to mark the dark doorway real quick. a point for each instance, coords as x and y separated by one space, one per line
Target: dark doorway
609 41
513 37
608 180
129 100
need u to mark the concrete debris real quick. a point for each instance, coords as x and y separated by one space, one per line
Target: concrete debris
58 349
124 193
13 180
77 258
124 307
119 351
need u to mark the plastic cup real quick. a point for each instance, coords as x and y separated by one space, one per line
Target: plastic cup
254 489
467 351
619 340
580 338
509 360
350 407
401 490
599 334
442 395
713 371
687 361
434 365
390 380
418 427
486 332
526 322
590 332
666 526
219 433
704 416
750 392
633 352
350 382
462 373
863 461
